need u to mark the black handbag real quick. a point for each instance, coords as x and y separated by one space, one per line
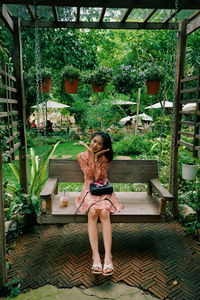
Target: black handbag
99 188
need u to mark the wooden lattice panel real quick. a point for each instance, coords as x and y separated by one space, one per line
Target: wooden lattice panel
9 109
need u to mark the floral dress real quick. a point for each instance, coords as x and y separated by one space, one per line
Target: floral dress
95 171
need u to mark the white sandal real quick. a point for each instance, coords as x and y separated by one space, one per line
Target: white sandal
108 266
94 266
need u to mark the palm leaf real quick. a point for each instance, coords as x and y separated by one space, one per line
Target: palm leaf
16 171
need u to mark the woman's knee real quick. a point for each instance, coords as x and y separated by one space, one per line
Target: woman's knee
93 213
104 214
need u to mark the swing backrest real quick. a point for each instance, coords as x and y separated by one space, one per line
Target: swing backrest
120 171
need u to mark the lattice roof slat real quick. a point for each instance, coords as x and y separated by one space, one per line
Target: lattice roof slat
127 13
150 14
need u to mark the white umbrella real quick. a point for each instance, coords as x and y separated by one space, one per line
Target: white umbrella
190 107
124 120
145 117
158 105
121 102
50 104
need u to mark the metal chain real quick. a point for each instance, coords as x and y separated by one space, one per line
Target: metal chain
174 104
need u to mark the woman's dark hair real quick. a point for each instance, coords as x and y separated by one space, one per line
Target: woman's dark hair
107 144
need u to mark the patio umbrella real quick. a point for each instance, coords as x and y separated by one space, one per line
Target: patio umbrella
50 104
124 120
190 107
145 117
158 105
121 102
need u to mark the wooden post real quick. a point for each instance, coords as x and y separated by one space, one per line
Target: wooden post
18 70
3 273
138 108
180 62
197 120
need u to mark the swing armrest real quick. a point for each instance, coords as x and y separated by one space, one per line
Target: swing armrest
50 188
162 191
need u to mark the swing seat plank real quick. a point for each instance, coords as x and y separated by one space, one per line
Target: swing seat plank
139 207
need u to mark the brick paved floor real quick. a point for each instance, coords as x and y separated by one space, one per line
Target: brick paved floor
158 258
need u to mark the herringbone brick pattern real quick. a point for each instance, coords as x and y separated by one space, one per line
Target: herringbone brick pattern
159 258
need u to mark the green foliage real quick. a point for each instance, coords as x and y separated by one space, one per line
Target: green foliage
153 72
161 147
37 172
132 145
69 72
99 76
12 287
127 78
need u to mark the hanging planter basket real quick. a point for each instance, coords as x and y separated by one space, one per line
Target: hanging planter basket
71 86
98 88
189 171
153 86
46 85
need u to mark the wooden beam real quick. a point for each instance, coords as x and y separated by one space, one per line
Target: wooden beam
150 14
55 13
3 273
4 15
193 25
194 15
180 61
78 14
101 25
127 13
171 16
157 4
103 11
18 70
30 11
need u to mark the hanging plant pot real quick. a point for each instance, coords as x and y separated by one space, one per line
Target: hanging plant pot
153 86
189 171
46 85
98 88
71 86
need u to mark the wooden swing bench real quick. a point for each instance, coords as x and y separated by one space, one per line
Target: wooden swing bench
139 207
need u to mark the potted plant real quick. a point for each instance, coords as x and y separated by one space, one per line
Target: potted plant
189 170
189 165
127 78
45 75
71 76
153 75
98 78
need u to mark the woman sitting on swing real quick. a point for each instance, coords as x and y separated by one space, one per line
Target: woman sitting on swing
94 164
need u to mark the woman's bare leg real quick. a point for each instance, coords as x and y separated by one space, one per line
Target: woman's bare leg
107 236
93 235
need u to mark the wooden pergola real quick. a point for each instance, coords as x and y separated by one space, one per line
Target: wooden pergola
14 85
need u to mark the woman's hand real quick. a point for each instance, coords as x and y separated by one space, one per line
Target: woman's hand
85 145
100 153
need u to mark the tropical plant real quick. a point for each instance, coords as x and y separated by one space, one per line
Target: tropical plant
37 171
99 76
127 78
70 73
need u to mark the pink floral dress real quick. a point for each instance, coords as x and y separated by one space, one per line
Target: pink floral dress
95 171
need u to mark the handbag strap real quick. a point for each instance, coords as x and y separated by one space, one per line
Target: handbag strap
101 200
82 202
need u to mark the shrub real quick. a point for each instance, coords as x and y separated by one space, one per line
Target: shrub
132 145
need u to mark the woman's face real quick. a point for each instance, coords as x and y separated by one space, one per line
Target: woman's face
96 144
